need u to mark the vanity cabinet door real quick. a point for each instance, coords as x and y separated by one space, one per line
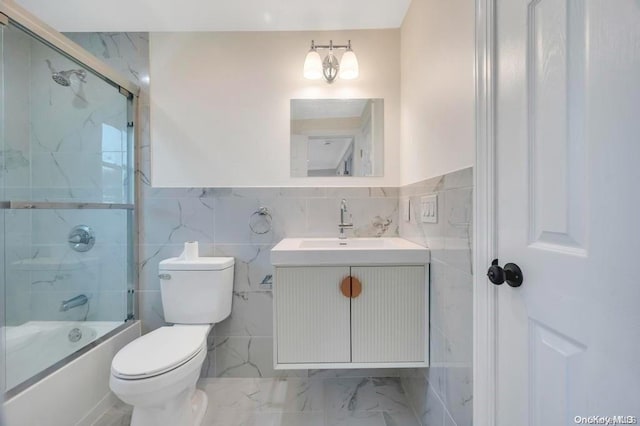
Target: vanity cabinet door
388 319
312 315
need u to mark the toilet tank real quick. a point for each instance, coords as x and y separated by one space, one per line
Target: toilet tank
196 291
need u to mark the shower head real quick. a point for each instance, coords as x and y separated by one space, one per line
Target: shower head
63 78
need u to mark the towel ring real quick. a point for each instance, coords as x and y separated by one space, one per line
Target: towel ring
255 218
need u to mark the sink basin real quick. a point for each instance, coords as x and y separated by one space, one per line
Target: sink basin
350 252
338 244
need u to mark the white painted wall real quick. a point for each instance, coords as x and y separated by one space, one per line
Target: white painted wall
220 104
437 88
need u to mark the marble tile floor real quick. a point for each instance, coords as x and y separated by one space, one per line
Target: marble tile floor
296 402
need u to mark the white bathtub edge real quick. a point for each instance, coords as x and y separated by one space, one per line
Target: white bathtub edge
74 392
96 412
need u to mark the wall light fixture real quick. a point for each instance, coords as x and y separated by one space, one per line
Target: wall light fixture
315 67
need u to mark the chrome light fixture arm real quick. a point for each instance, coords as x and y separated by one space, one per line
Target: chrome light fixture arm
331 46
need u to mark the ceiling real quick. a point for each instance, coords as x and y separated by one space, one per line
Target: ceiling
326 153
306 109
218 15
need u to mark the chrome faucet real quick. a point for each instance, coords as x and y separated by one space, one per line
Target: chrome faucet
343 225
73 302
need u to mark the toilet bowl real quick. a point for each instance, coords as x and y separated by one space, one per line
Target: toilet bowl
157 372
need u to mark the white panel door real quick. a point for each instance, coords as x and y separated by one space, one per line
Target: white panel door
312 315
568 209
388 319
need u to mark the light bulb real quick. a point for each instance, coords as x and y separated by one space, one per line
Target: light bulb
349 66
313 65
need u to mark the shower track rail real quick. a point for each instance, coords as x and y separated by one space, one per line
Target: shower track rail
65 205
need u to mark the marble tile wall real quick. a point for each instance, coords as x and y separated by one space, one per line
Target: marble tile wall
442 394
241 346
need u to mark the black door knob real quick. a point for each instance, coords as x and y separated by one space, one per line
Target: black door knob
496 273
511 273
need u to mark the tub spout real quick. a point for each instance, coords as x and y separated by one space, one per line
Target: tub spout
73 302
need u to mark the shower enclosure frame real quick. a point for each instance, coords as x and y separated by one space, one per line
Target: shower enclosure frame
11 13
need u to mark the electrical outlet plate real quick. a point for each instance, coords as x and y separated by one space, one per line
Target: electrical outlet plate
429 209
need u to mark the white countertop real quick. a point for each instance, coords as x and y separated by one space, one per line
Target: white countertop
351 252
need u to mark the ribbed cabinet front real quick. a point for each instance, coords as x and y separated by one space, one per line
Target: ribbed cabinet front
388 318
373 316
313 316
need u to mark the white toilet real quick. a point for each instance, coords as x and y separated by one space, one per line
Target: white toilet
157 373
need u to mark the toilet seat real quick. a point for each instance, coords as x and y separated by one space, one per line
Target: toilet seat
160 351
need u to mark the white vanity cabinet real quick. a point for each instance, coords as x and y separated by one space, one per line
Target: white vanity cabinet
388 319
312 316
351 316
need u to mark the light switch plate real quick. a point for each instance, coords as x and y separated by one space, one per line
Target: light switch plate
429 209
406 210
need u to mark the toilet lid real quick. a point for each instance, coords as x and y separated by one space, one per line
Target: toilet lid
159 351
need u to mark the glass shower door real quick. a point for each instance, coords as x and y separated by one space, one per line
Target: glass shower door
67 206
3 364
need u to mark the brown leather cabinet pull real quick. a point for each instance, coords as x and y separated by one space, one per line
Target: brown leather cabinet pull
345 287
351 287
356 287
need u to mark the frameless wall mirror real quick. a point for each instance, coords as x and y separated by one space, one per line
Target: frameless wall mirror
337 137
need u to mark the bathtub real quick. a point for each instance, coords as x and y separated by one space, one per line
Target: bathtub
63 369
36 345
